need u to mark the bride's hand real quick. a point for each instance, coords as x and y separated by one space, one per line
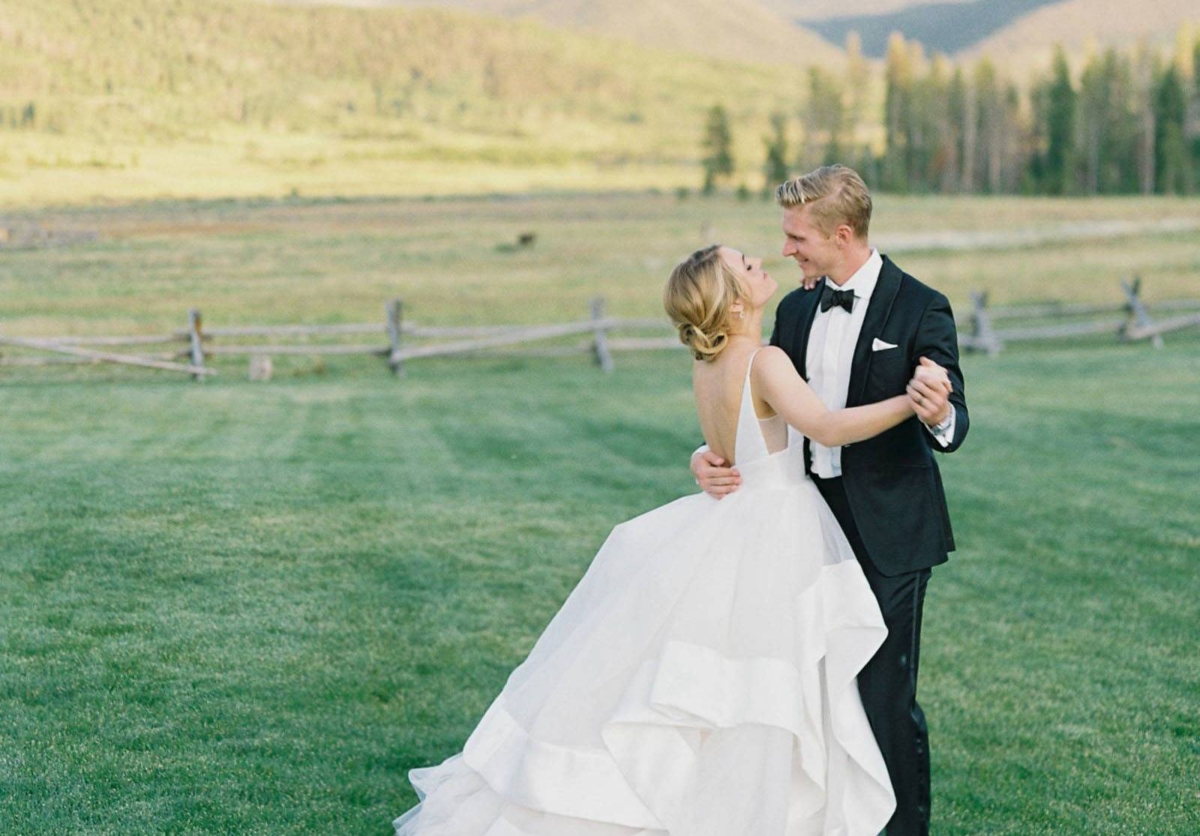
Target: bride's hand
929 391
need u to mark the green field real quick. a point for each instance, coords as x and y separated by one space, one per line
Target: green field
251 608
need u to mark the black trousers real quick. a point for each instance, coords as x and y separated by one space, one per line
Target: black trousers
888 684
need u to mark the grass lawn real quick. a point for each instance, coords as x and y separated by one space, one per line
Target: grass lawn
251 608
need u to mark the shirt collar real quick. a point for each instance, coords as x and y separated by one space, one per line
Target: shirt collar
865 278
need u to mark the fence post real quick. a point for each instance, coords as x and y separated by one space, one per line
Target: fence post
395 314
600 339
1138 315
195 324
985 335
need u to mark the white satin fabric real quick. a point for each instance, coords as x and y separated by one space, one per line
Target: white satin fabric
699 681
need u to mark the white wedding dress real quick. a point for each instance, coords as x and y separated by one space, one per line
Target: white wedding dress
699 681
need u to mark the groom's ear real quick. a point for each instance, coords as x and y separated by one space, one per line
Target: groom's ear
844 234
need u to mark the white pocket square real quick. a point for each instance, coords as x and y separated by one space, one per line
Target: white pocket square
880 345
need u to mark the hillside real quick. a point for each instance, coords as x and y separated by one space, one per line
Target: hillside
946 27
743 30
1021 34
805 10
142 97
738 30
1081 25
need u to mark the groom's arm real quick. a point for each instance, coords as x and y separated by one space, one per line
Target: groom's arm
937 339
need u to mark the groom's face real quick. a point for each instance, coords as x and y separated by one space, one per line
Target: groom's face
815 252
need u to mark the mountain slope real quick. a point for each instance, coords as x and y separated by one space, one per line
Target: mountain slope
805 10
1020 34
946 27
747 31
234 97
222 58
1081 24
742 30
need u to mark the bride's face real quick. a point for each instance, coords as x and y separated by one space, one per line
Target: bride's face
755 281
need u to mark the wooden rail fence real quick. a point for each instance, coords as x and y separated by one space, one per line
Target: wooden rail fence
987 329
187 349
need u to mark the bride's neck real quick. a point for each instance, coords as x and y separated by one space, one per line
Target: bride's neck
749 328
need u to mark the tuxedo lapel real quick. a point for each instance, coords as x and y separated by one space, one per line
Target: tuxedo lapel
804 327
878 311
804 324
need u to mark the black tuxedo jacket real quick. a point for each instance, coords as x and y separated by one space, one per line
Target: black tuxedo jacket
892 481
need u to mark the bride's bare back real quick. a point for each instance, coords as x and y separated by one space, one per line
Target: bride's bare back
718 388
776 388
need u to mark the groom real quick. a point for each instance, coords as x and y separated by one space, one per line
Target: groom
857 337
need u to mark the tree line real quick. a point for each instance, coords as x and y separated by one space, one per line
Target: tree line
1128 122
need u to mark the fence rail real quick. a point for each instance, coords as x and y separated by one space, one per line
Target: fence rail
1131 320
985 328
105 356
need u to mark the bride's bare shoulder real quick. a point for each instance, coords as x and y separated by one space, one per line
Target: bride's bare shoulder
773 370
772 360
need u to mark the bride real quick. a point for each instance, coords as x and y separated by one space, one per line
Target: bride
700 678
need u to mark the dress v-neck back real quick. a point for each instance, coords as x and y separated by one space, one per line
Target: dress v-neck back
756 437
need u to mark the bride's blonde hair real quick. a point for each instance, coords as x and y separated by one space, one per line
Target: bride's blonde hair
698 298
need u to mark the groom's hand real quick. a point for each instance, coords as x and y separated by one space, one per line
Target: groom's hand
929 390
713 477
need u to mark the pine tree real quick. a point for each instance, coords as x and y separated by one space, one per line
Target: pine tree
775 170
857 90
970 134
956 110
718 143
918 127
1108 126
933 142
1145 72
1172 161
1060 105
1192 126
897 108
824 119
990 97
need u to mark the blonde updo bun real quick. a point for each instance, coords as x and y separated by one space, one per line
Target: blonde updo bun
698 299
703 346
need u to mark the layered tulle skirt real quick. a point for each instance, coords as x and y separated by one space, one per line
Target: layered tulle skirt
699 681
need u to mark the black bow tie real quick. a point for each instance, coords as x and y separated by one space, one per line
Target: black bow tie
831 297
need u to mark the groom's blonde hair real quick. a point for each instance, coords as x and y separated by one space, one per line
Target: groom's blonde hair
834 195
698 298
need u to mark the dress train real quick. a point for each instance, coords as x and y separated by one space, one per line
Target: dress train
698 681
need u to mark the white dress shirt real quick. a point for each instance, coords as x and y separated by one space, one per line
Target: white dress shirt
830 353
